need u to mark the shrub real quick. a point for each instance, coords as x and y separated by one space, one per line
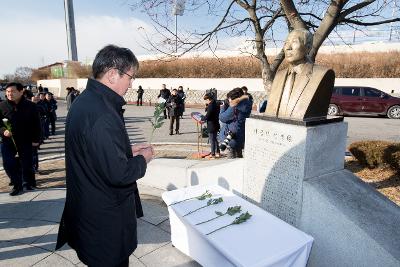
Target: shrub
372 154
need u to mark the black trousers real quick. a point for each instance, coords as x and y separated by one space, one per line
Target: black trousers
214 143
171 123
139 100
19 169
52 119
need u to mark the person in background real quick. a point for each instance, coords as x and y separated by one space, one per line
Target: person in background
140 93
251 100
24 134
182 95
165 94
35 154
51 113
174 105
212 119
102 167
70 96
40 88
42 108
233 117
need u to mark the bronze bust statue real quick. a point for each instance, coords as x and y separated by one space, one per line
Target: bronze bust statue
303 91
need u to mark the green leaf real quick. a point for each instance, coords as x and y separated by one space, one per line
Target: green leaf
233 210
219 213
205 195
242 218
214 201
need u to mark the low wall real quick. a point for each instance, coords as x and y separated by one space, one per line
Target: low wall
195 88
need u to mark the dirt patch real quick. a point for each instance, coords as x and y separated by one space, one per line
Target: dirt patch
383 179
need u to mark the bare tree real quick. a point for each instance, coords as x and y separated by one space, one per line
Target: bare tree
260 21
23 75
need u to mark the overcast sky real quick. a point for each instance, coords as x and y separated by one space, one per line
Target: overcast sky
32 33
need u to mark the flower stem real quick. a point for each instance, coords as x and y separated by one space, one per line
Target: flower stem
190 212
211 219
219 228
181 201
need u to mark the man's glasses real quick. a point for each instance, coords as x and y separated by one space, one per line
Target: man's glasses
130 76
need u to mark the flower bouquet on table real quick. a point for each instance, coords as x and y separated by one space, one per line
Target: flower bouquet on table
8 126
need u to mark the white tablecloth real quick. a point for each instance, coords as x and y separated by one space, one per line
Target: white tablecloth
263 240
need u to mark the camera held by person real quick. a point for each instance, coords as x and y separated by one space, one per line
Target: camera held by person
225 143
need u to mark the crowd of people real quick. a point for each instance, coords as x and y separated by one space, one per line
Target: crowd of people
174 106
25 121
226 122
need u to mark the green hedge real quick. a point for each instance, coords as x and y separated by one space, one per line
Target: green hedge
372 154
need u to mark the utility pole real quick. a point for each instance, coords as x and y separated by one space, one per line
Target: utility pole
178 9
70 28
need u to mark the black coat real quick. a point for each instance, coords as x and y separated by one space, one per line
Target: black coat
165 93
24 119
102 203
212 117
174 105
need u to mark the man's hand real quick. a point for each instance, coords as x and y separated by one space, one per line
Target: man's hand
7 133
137 147
35 144
146 150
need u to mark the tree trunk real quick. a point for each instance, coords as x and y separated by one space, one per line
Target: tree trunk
328 23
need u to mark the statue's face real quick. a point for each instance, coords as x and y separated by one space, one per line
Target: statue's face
295 49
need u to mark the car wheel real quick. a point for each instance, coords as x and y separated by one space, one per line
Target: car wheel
333 110
394 112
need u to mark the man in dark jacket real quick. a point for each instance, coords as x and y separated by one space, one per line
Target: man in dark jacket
140 93
24 134
165 94
174 105
51 112
212 119
102 203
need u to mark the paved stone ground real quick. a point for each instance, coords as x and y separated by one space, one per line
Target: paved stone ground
29 227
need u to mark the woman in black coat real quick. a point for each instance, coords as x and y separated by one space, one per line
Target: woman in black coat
212 120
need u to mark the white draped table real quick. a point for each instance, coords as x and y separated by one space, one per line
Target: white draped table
263 240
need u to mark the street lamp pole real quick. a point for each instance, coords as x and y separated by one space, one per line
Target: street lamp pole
177 9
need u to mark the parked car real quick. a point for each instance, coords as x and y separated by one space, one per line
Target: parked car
358 100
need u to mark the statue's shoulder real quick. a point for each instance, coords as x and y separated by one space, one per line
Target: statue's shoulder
322 70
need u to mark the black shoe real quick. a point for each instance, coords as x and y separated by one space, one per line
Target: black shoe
171 133
11 184
177 132
29 188
16 191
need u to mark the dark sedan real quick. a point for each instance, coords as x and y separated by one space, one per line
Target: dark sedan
357 100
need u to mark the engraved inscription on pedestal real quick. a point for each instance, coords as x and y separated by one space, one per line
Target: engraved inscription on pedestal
274 167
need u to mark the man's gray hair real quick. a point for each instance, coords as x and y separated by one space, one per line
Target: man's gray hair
306 37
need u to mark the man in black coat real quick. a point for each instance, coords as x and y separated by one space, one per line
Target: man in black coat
23 117
174 105
102 203
165 94
140 93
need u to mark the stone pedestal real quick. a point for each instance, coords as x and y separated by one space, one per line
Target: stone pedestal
280 155
295 171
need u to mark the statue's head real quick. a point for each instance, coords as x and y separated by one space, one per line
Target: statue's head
297 46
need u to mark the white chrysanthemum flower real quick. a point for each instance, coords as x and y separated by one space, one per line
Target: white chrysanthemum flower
161 100
5 120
